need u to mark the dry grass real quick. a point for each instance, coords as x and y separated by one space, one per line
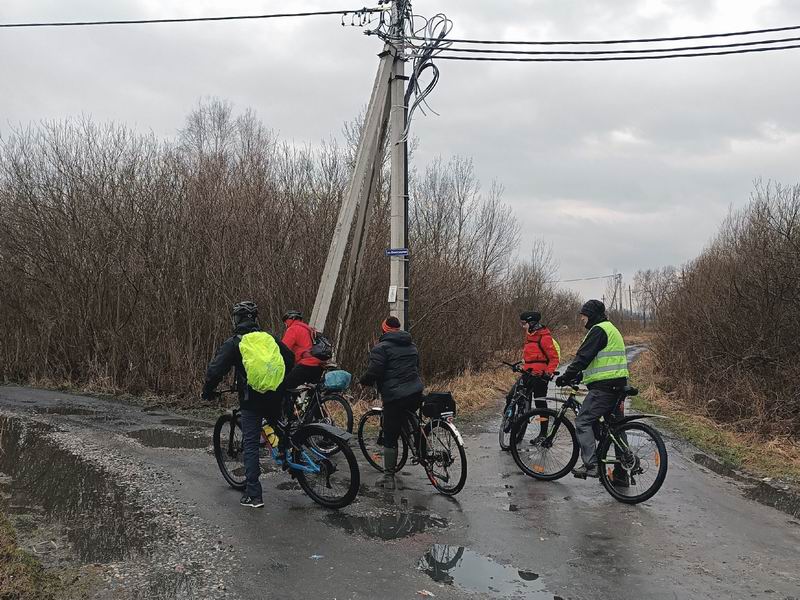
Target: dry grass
775 457
476 391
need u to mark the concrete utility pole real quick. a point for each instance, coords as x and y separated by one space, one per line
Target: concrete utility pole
386 110
398 290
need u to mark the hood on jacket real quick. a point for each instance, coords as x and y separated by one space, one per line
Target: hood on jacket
595 311
401 338
247 326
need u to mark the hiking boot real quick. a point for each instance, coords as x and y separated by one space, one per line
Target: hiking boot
538 440
585 471
251 502
389 467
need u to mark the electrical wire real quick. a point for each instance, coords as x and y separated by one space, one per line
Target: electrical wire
626 51
628 41
617 58
364 10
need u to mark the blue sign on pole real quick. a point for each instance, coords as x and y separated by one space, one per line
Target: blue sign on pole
397 252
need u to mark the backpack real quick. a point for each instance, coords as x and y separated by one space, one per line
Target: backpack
321 346
556 345
262 360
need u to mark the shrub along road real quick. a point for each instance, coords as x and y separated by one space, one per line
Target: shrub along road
100 476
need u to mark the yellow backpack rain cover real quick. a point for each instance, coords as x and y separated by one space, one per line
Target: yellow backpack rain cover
262 361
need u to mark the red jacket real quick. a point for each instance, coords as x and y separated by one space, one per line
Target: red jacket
298 339
540 354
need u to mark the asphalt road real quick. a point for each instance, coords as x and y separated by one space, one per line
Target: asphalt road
504 536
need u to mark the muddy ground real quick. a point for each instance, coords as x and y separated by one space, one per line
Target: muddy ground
137 497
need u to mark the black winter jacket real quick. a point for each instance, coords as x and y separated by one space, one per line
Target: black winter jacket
228 356
595 341
394 366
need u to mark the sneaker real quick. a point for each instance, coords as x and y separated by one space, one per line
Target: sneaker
538 440
585 471
251 502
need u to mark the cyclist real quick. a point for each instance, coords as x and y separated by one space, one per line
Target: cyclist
601 357
394 367
540 358
299 338
274 359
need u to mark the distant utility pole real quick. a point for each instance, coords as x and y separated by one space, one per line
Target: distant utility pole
386 110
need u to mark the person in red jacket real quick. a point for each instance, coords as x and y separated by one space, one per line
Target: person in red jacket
299 338
540 358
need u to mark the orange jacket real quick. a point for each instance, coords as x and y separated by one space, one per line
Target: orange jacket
540 354
299 340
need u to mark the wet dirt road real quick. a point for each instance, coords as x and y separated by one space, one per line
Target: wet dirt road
140 494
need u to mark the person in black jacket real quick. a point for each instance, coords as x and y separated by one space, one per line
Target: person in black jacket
394 367
253 405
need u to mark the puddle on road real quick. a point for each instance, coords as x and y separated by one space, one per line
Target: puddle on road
164 438
66 410
386 526
473 572
49 486
184 423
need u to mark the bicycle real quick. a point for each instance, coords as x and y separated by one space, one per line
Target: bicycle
520 404
318 455
316 403
632 456
431 437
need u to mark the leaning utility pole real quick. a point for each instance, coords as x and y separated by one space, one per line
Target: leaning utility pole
386 110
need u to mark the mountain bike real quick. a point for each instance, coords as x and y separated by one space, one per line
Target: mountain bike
429 435
318 455
519 405
314 403
631 455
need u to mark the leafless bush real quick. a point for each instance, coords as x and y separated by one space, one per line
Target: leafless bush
727 334
120 255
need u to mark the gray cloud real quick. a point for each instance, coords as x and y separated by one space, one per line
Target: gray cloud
619 165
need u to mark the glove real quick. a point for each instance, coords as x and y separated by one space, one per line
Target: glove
562 381
546 376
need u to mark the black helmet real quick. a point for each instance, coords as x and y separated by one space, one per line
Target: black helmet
244 311
292 314
530 316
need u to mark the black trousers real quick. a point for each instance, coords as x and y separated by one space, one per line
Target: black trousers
395 415
301 374
537 387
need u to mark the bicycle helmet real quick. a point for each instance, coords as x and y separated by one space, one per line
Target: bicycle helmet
530 316
292 314
244 311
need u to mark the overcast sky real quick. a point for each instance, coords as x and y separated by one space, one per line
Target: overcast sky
620 166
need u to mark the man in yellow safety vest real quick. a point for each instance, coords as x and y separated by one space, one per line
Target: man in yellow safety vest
601 358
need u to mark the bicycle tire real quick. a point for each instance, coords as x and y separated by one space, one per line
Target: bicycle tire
661 460
343 451
505 437
222 425
365 427
341 403
535 471
437 482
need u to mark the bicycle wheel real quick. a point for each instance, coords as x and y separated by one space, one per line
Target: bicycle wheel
633 474
336 479
370 440
506 424
445 458
336 411
229 452
549 459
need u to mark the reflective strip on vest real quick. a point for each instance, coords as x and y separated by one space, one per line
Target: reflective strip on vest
611 362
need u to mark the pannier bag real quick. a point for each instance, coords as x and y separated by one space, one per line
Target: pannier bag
438 404
337 381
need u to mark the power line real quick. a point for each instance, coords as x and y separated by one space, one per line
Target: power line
617 58
625 41
584 279
192 19
627 51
